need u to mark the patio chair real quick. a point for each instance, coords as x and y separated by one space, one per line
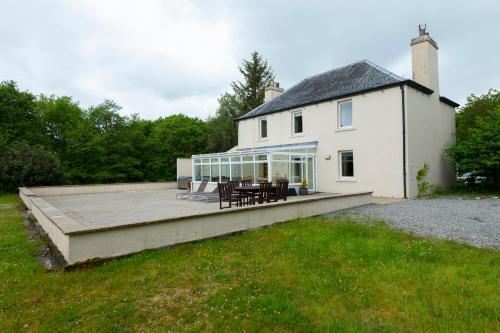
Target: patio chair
225 195
186 194
206 196
246 182
245 197
265 190
281 191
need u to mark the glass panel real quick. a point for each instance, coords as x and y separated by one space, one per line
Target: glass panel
280 170
296 172
261 157
248 171
261 170
310 173
345 114
205 160
248 158
236 172
347 164
215 160
297 122
224 159
263 128
215 173
205 171
197 172
197 161
278 157
235 159
224 172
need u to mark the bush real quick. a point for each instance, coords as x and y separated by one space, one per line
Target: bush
25 165
425 188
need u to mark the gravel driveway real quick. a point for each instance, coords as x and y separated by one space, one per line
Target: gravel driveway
476 222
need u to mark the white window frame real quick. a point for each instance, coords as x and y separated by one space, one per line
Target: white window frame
346 178
339 115
260 128
293 123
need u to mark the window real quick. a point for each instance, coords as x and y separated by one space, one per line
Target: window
346 164
345 114
263 128
297 123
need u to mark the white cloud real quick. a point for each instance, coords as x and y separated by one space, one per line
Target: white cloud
145 56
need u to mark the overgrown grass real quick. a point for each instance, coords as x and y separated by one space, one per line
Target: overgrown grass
306 275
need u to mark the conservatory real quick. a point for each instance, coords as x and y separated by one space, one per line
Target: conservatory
292 162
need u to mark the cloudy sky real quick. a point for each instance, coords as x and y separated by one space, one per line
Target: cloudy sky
158 58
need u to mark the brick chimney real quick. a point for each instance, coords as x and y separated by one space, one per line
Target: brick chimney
424 58
272 91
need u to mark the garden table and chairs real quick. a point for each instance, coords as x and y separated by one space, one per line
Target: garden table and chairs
248 194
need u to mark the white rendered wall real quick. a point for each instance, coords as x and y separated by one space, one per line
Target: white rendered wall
184 167
431 128
376 140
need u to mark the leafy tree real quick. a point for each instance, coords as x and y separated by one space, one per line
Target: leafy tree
25 165
59 118
104 150
257 75
475 109
172 137
18 116
478 137
222 134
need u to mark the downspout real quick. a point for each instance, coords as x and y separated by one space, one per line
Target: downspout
403 114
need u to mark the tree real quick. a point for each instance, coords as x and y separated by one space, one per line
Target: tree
173 137
25 165
222 134
59 117
18 117
478 137
475 109
257 75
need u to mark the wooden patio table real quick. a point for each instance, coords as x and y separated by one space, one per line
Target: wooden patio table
252 189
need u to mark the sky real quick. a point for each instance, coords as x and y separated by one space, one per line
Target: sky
157 58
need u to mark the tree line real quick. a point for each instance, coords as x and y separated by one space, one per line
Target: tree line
48 140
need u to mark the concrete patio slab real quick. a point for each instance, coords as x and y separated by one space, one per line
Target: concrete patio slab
90 222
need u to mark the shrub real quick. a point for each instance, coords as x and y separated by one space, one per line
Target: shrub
425 188
25 165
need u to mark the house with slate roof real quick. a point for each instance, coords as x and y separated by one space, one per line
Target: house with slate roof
355 128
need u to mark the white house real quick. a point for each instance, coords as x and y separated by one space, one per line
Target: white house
354 128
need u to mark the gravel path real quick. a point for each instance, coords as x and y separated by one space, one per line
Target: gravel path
476 222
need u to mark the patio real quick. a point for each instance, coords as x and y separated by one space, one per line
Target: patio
103 221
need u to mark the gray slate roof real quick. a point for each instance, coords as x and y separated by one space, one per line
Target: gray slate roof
353 79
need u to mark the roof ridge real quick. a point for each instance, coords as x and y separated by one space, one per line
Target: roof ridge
386 71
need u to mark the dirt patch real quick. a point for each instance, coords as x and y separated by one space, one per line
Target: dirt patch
47 253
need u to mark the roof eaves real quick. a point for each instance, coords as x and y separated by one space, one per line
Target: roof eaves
448 101
418 86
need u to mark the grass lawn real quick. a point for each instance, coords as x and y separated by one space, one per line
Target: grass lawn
306 275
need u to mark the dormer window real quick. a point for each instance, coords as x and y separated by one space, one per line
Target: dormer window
263 128
345 115
297 123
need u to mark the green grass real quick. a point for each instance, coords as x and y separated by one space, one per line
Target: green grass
306 275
